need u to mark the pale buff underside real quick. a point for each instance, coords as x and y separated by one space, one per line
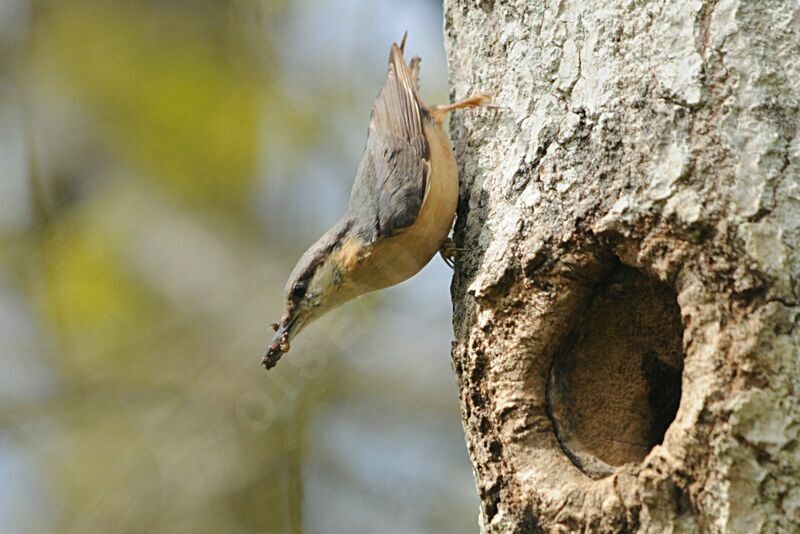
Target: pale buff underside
395 259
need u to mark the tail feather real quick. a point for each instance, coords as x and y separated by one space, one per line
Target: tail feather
398 108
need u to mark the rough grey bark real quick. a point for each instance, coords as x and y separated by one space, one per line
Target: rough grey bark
631 215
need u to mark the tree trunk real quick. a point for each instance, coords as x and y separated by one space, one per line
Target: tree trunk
626 311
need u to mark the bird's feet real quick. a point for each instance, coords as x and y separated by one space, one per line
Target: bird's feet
449 252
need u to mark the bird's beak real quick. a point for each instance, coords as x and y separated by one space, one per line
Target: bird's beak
284 332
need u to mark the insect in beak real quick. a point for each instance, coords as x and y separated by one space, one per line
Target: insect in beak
279 344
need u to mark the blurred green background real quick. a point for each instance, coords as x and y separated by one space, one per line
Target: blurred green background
163 163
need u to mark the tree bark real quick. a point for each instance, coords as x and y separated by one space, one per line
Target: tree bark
626 311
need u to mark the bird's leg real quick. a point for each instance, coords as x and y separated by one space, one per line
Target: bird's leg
449 252
440 112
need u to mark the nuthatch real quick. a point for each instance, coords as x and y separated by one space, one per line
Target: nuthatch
401 207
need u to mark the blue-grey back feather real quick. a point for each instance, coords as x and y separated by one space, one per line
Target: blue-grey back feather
390 183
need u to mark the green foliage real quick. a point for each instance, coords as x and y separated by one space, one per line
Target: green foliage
169 101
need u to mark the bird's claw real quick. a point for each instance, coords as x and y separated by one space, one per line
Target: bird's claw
449 252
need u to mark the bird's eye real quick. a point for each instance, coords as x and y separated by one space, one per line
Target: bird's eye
299 290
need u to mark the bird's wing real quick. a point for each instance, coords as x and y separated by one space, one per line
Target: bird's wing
392 178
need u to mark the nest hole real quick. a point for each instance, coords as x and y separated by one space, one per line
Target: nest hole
615 387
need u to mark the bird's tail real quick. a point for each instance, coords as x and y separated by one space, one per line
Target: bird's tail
406 74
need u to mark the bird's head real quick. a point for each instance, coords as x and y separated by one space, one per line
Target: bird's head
321 280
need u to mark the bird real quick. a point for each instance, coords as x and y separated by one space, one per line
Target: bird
401 207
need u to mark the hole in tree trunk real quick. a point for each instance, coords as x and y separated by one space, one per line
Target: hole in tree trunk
615 387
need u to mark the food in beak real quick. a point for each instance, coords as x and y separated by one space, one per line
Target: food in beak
278 346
